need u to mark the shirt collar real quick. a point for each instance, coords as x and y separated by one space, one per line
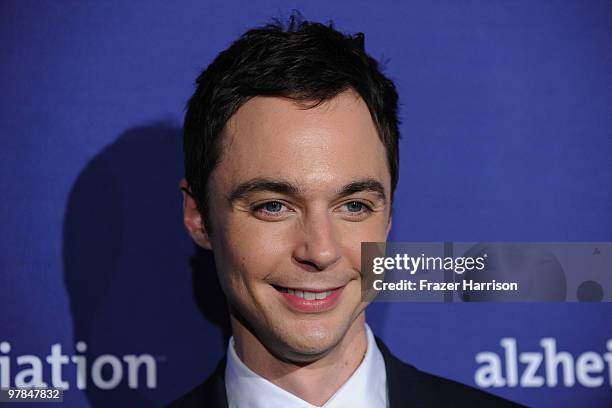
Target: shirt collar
365 388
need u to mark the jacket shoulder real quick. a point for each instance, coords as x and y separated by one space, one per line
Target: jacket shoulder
440 391
408 386
211 393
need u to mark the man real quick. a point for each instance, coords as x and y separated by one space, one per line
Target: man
291 151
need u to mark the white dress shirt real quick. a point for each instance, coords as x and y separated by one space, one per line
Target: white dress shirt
366 388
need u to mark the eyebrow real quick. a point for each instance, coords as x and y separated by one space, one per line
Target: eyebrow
261 184
284 187
369 184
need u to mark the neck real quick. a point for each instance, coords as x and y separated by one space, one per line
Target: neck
314 382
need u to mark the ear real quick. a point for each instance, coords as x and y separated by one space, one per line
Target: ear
192 218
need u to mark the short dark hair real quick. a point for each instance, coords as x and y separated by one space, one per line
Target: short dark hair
306 61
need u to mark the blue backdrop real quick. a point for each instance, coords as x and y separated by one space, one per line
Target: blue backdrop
506 111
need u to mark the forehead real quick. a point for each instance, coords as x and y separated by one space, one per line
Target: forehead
327 145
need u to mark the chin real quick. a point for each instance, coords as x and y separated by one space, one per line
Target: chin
309 340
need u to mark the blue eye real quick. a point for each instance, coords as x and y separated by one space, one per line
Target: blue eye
354 206
273 206
271 211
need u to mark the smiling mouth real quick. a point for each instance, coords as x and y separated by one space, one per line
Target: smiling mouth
307 294
311 300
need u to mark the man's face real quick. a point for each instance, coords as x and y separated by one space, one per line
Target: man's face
295 194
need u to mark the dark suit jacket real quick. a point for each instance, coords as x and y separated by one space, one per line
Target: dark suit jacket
408 387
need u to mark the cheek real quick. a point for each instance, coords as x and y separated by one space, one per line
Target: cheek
251 250
353 234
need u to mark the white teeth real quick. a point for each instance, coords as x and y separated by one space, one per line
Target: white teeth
309 295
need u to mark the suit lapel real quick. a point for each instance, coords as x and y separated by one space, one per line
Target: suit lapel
215 387
400 379
211 393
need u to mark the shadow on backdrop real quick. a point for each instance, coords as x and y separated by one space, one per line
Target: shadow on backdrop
135 282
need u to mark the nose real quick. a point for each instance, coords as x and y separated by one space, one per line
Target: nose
318 247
